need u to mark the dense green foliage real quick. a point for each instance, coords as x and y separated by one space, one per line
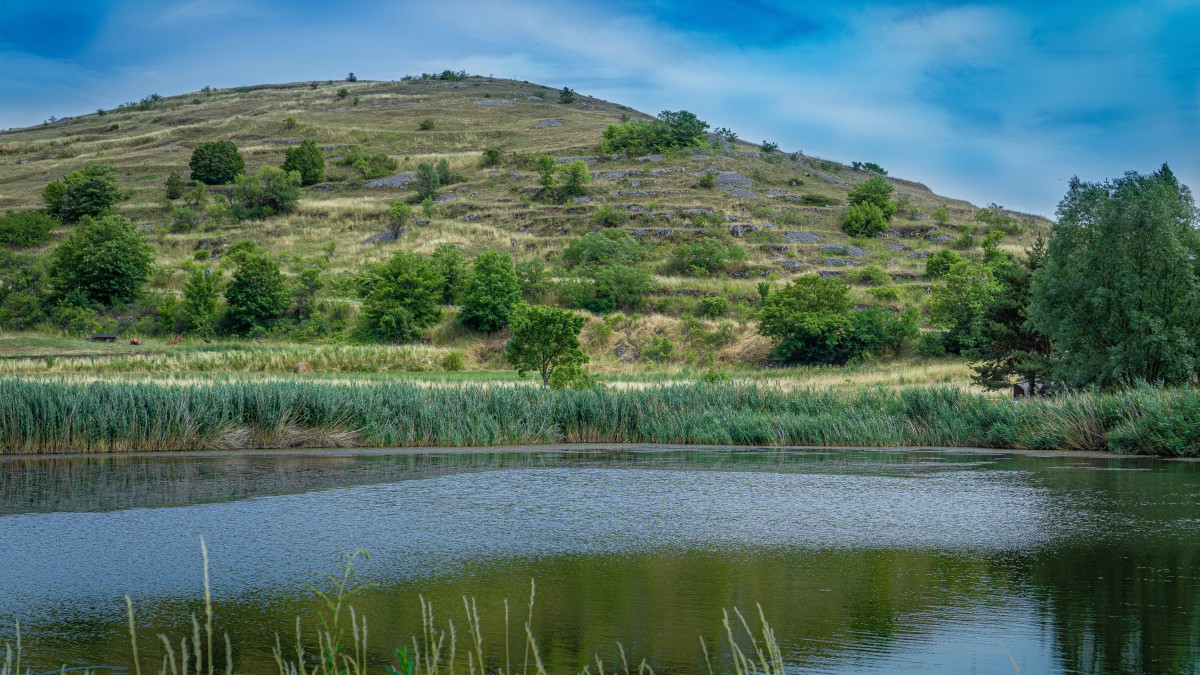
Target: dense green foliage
257 297
399 213
705 256
605 288
91 191
427 181
566 96
490 293
201 294
267 193
450 265
401 299
545 340
812 321
107 260
369 165
871 208
25 228
575 179
672 130
938 264
216 162
24 283
607 246
175 186
1005 347
1119 292
305 159
99 416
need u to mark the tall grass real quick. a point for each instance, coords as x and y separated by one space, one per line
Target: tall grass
59 415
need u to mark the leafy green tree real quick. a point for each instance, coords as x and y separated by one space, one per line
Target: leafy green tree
445 177
257 297
201 295
91 191
939 263
307 160
491 291
269 192
24 290
864 220
306 284
612 286
401 299
1119 292
546 168
25 228
672 129
959 302
450 265
398 216
175 185
426 181
685 129
216 162
1006 348
544 340
575 179
428 207
107 260
566 96
941 215
807 320
607 246
705 256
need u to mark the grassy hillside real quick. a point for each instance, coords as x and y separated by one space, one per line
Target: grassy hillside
785 209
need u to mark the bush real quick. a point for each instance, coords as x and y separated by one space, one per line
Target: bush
106 261
546 167
609 246
91 191
216 162
352 77
939 263
889 293
369 166
672 129
257 297
398 216
270 191
427 181
711 306
807 320
865 220
768 147
544 340
401 299
491 157
575 179
612 287
709 180
450 265
941 215
704 257
659 349
871 275
201 293
566 96
610 216
175 185
23 290
305 159
25 228
932 344
343 92
426 125
491 291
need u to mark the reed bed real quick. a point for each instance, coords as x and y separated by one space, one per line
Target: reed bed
67 416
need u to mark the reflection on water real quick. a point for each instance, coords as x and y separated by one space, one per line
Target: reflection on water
862 561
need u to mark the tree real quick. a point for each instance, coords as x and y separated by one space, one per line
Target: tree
608 246
257 297
216 162
491 291
672 129
24 292
450 265
938 264
1119 293
545 340
575 179
426 181
201 293
566 96
959 302
874 192
270 191
612 286
807 320
91 191
352 77
864 220
107 260
175 185
401 298
1007 348
545 167
307 160
704 256
941 215
398 216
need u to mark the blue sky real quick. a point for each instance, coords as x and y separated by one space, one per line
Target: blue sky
998 102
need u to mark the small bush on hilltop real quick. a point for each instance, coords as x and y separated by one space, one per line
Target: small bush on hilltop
671 130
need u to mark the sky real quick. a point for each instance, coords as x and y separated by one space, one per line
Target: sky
989 101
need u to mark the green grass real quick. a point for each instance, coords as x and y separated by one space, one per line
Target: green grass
65 416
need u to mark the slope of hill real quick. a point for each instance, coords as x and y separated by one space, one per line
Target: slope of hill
784 209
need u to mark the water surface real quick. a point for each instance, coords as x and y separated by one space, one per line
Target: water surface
863 561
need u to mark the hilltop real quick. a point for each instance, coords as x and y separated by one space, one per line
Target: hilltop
783 208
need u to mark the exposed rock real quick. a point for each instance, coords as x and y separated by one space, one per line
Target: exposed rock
381 238
651 158
828 274
738 231
697 212
22 161
791 264
534 98
662 172
568 160
801 237
840 262
635 193
614 175
495 102
657 232
283 141
460 85
543 124
899 248
396 182
472 216
919 255
844 249
324 187
442 199
919 217
176 148
581 200
743 193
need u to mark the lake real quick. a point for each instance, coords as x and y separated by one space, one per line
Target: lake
862 561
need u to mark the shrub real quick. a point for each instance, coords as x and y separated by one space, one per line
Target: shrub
609 246
398 216
490 293
270 191
874 331
864 220
807 320
768 147
491 157
941 215
575 179
91 191
427 181
343 92
546 167
871 275
175 185
886 293
932 344
106 260
453 362
23 290
711 306
660 349
257 297
544 340
216 162
610 216
289 123
201 293
25 228
426 125
612 287
352 77
369 166
305 159
428 207
672 129
704 257
709 180
401 299
566 96
450 265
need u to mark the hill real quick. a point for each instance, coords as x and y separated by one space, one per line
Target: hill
784 209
